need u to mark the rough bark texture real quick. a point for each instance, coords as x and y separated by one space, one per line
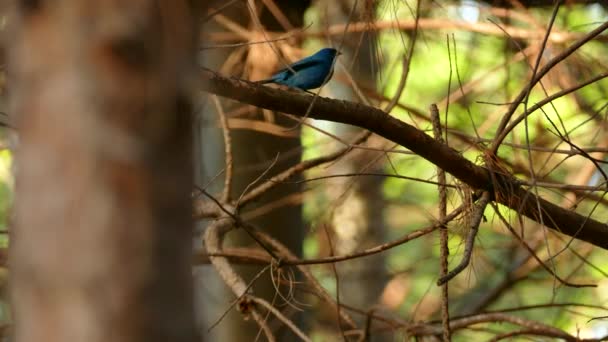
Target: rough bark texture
101 245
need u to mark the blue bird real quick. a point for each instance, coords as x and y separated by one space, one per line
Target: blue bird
308 73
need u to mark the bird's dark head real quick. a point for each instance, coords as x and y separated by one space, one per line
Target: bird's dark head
328 53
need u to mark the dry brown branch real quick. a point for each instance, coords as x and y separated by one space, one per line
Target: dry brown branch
422 24
299 168
513 123
227 150
281 317
537 77
475 221
261 126
506 189
531 251
462 323
370 251
213 240
443 231
319 290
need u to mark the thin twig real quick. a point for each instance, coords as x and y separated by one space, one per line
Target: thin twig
262 324
443 231
281 317
238 222
468 247
407 61
299 168
238 299
337 277
380 248
225 198
373 174
239 202
531 251
528 111
320 290
457 324
538 76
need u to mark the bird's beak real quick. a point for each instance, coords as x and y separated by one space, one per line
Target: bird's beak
339 53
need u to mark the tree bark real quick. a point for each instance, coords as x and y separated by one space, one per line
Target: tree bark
101 245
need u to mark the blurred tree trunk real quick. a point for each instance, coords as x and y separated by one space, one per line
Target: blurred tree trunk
253 152
358 220
101 245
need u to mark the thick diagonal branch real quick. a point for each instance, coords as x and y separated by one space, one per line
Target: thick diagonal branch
506 188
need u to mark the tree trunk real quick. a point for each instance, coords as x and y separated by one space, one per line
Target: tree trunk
357 218
101 245
253 152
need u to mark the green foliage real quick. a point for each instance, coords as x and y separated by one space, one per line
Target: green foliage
6 181
481 73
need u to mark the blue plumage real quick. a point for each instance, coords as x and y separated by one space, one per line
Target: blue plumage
310 72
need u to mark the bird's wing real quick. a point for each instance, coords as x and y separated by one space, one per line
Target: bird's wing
301 64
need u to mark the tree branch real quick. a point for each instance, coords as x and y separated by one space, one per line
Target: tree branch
506 189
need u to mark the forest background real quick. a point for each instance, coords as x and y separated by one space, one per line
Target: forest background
448 183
